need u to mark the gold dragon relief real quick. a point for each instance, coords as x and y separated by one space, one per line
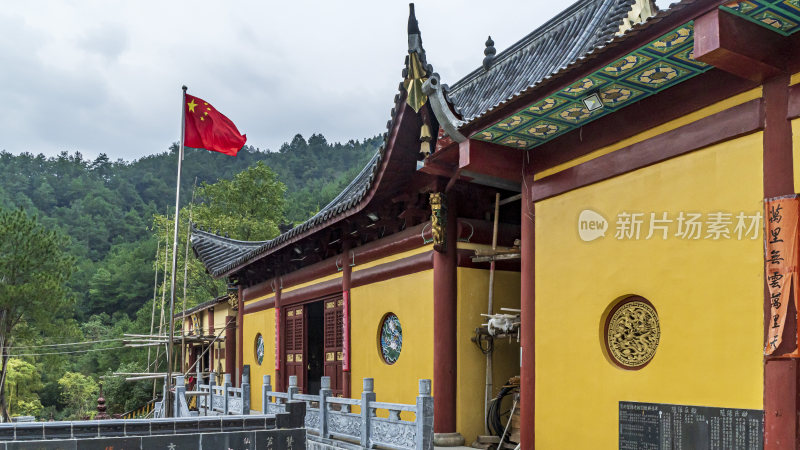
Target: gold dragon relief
633 333
438 220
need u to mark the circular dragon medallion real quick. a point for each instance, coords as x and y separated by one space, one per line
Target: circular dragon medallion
259 349
632 333
390 338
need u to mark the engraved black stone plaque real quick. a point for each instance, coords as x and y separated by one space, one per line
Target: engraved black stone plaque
657 426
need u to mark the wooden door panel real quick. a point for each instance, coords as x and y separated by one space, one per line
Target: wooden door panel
295 345
333 338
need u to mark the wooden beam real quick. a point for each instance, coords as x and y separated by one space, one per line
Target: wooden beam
441 163
739 46
490 159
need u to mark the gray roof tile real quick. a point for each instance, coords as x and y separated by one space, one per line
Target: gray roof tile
573 33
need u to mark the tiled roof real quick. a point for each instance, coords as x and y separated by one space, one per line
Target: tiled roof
220 254
576 35
570 35
201 307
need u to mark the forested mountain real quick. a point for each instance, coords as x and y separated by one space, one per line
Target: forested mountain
115 214
107 207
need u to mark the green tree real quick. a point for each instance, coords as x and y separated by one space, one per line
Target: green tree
248 207
23 383
33 272
79 392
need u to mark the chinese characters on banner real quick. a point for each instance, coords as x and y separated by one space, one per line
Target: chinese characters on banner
780 263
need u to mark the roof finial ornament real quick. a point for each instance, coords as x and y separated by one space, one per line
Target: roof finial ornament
416 71
414 35
489 53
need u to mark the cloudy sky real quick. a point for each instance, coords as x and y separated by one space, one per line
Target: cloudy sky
105 76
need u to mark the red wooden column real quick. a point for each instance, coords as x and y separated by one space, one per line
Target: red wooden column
230 346
527 316
781 375
211 332
240 338
445 292
347 272
278 381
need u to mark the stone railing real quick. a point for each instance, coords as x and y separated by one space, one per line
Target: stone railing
224 399
331 423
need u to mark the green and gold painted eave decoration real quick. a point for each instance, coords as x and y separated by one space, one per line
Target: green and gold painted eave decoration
781 16
662 63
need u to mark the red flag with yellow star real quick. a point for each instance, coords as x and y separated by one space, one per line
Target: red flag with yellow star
209 129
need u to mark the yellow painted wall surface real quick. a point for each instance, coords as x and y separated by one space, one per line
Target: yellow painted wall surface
473 292
411 299
796 153
671 125
795 79
221 313
259 322
708 295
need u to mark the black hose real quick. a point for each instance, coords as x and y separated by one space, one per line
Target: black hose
484 342
495 418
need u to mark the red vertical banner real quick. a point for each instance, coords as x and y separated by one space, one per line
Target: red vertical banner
346 332
780 265
277 338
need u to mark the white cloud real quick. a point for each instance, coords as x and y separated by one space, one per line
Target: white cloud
105 75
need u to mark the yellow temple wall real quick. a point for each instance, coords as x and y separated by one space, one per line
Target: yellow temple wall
708 295
410 298
473 293
262 322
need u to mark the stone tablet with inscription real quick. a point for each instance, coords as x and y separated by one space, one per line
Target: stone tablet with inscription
657 426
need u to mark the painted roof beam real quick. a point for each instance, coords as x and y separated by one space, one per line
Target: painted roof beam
739 46
492 160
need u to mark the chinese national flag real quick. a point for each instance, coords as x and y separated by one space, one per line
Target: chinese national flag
209 129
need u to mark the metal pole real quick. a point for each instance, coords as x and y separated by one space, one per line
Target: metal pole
489 366
186 277
155 295
168 381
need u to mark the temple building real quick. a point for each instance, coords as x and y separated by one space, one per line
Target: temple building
644 162
209 332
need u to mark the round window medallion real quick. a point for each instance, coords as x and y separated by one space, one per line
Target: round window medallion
259 349
390 338
632 333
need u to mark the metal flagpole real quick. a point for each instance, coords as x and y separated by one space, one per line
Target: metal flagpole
186 277
168 381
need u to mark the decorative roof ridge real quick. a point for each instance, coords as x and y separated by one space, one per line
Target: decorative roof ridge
597 51
223 239
540 32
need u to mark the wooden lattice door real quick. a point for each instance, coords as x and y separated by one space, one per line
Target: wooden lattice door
334 315
295 345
